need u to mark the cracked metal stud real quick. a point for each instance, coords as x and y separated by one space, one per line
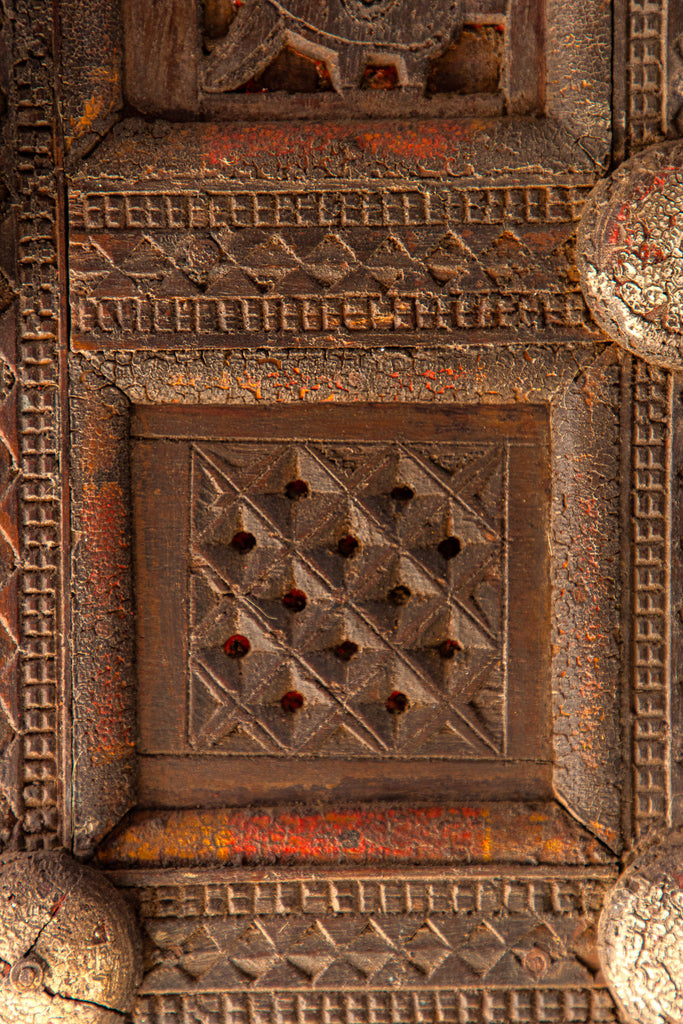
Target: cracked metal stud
69 950
640 935
630 254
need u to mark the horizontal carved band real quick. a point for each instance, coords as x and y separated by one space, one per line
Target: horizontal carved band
370 945
518 891
343 206
161 266
127 322
471 1006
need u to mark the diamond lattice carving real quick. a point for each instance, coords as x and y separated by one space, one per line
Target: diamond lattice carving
398 555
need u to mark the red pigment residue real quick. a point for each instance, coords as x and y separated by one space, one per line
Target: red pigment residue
286 145
395 835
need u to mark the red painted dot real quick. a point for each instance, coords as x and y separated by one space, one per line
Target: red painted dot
449 648
380 76
449 547
346 650
399 595
296 489
295 600
347 546
243 542
397 703
292 701
237 646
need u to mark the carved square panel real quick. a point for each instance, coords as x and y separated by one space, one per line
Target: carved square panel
337 589
347 399
348 602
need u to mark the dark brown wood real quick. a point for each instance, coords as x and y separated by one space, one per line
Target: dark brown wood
494 51
486 694
161 55
167 781
320 255
103 720
577 776
162 601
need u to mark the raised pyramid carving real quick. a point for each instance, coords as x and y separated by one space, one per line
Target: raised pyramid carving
452 262
228 280
115 285
330 260
483 949
311 964
176 283
453 707
270 260
254 967
146 260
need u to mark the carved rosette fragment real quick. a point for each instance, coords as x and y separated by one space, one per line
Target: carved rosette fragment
641 934
630 254
68 943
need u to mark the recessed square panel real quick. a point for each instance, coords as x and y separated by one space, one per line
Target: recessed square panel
360 588
342 596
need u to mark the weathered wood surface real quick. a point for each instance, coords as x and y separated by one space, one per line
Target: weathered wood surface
266 268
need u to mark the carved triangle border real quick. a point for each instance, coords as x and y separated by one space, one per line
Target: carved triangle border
477 942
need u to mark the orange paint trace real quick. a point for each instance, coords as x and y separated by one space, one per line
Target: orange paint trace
427 835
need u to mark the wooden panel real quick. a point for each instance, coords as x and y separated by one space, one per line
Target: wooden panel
167 781
229 270
161 587
357 585
161 42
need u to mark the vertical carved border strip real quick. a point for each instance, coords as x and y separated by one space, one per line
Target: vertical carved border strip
651 721
646 76
39 423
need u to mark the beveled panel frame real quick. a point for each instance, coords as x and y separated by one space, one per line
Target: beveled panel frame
582 388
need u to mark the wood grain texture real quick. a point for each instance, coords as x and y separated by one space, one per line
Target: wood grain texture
586 745
160 62
486 479
104 696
